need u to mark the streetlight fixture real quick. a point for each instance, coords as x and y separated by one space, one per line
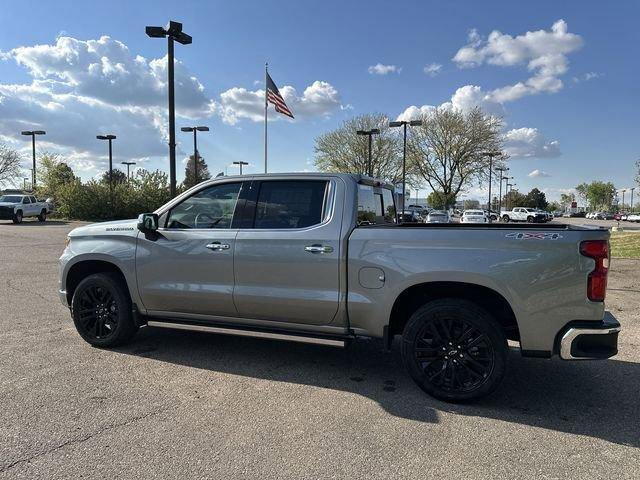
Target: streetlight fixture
491 154
403 124
32 134
369 133
128 164
241 163
195 131
109 138
172 32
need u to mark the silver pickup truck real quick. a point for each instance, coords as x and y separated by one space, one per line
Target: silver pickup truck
320 258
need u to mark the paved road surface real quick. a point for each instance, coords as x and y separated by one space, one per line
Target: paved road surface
183 405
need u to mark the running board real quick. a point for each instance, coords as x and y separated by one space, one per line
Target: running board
291 337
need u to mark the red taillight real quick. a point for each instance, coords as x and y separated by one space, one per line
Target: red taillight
597 280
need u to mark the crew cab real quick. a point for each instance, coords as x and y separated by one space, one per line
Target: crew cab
321 258
524 214
16 207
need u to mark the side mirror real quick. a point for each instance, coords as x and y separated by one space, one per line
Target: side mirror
148 222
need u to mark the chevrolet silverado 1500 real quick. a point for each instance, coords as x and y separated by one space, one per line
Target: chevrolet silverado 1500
320 258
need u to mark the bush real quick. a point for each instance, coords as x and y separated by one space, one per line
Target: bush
93 200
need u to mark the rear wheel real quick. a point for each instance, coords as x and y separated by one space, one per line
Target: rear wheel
505 218
43 215
454 350
17 217
101 310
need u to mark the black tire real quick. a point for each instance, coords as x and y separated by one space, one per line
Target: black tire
43 216
454 350
17 217
530 219
101 310
505 218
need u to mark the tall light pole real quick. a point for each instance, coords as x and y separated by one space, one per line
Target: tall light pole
24 183
403 124
501 170
195 131
241 163
173 31
109 138
370 133
491 155
32 134
632 189
128 164
623 191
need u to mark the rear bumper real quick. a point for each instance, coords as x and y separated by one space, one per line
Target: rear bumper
589 340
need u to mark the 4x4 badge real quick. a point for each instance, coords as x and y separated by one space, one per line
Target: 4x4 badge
533 235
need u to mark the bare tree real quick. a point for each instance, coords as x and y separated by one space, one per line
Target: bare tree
343 150
448 150
9 165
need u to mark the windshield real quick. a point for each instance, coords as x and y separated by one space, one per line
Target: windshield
11 198
474 214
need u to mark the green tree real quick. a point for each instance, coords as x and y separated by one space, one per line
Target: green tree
53 173
118 176
566 199
343 150
470 204
9 165
513 199
448 150
536 199
441 201
190 174
554 206
597 194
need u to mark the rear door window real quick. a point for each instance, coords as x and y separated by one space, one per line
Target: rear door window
286 204
375 205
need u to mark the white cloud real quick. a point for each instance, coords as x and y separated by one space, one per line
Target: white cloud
380 69
432 69
587 76
530 143
319 99
543 52
538 173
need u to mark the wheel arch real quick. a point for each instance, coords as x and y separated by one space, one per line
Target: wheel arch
83 268
417 295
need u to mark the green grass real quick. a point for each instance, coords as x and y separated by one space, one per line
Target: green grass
625 244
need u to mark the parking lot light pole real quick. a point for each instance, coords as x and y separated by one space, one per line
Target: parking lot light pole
172 32
128 164
632 189
369 133
195 131
110 138
241 163
501 170
32 134
403 124
491 155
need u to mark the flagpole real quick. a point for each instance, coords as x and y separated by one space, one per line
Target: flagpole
266 66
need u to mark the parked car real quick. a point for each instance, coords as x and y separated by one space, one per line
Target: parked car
318 258
15 207
523 214
438 216
492 214
577 214
410 216
633 217
474 216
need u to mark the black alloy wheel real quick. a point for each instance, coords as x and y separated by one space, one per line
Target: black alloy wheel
101 310
454 350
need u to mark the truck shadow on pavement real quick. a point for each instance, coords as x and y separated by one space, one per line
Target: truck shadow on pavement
598 399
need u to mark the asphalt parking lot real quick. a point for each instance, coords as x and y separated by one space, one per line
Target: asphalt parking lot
187 405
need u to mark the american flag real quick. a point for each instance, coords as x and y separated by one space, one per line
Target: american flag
273 96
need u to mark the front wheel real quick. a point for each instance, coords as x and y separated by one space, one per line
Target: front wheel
17 217
530 219
101 310
454 350
43 216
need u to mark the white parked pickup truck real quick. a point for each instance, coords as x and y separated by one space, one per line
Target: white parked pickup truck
523 214
17 206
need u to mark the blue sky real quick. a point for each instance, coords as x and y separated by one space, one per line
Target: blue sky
563 74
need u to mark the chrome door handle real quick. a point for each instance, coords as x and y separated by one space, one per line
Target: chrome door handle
316 248
217 246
